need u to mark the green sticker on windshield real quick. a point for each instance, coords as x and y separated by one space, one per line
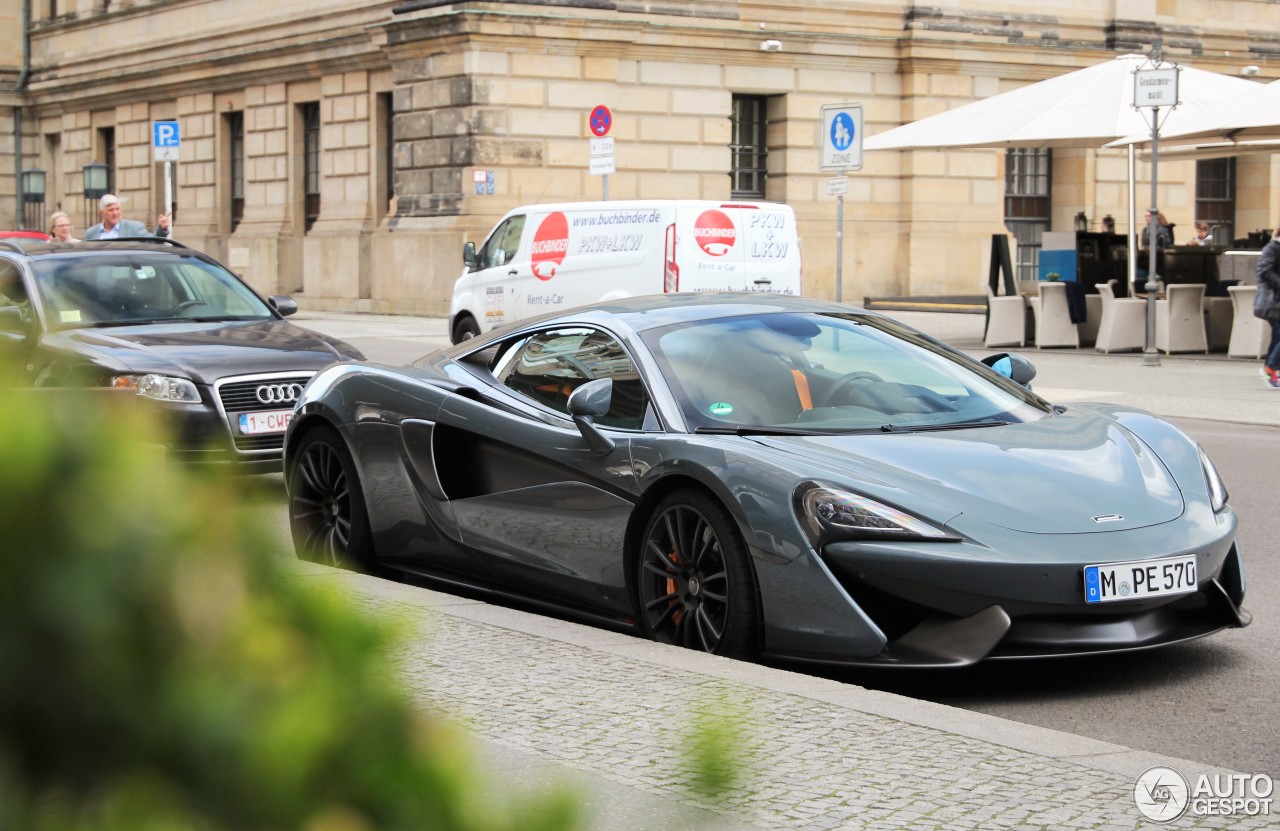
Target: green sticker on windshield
720 408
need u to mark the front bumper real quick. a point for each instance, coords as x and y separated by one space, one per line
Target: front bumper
956 604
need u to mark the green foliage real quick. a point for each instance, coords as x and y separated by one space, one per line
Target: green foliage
161 671
715 763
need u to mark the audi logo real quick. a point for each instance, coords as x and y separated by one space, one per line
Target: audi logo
279 393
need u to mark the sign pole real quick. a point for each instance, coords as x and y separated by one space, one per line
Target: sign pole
839 248
1151 355
840 150
1154 87
168 194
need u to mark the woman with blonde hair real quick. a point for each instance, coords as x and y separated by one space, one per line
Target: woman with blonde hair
60 227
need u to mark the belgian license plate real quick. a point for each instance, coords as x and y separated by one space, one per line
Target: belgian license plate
268 421
1134 581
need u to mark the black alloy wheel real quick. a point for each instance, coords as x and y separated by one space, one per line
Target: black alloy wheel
327 514
694 584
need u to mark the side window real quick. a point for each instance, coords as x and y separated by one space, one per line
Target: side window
12 291
549 366
502 244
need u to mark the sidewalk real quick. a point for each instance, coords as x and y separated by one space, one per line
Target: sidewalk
549 702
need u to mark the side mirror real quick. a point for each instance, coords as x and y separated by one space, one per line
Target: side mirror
284 305
587 403
15 320
469 255
1012 365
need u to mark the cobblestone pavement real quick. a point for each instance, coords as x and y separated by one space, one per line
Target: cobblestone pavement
611 716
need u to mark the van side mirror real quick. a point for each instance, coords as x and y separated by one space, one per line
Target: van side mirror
284 305
469 255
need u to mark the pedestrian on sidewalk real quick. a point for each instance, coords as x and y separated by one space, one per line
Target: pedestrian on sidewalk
1268 308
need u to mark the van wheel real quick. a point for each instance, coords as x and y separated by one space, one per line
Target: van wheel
464 329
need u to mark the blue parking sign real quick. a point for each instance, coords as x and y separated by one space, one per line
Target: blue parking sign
166 139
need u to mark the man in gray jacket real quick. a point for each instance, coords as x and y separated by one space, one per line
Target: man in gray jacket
113 227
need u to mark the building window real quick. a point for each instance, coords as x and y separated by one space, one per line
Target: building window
1216 197
384 152
235 171
107 146
748 149
1027 173
310 116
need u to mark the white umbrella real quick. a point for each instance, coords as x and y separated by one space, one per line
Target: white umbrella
1243 123
1085 108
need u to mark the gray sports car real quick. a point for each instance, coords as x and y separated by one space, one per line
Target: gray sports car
755 475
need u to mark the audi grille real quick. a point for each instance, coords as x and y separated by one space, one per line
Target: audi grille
258 393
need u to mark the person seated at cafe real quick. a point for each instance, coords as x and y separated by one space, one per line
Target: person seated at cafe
1164 231
1203 236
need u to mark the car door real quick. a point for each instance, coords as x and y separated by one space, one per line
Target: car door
527 491
500 264
17 321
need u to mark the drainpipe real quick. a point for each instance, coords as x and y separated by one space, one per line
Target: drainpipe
17 112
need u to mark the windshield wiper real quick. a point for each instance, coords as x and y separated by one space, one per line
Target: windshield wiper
756 431
933 428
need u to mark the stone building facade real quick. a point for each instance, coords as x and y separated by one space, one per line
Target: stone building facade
330 149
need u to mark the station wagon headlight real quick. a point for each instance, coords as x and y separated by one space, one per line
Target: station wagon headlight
829 514
1217 490
158 387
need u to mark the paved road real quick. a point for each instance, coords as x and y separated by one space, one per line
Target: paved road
547 699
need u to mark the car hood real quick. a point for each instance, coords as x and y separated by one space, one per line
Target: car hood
1070 473
205 352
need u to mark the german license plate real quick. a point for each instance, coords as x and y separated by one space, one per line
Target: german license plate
268 421
1135 581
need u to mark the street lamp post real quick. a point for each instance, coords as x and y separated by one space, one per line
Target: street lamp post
33 192
95 187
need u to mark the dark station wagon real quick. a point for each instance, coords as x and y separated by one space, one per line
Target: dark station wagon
170 324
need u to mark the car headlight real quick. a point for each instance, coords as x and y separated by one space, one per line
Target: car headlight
1217 490
829 514
158 387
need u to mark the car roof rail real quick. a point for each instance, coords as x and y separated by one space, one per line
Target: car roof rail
156 240
7 245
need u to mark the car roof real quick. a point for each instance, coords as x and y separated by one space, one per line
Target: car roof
22 240
36 248
655 310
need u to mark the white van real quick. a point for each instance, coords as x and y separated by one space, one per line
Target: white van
540 258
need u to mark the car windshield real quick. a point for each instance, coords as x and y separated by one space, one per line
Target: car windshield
125 287
818 373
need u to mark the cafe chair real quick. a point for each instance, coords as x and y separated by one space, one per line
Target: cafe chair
1123 324
1217 318
1053 318
1092 320
1250 336
1006 320
1180 319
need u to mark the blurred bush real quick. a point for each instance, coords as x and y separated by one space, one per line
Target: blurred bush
159 671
